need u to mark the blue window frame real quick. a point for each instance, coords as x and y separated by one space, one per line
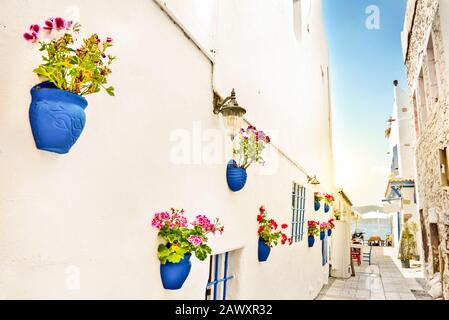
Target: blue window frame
217 285
324 253
298 211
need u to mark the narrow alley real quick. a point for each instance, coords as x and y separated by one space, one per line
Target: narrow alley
382 280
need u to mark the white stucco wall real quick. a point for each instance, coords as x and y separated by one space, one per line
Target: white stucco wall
91 209
402 134
255 52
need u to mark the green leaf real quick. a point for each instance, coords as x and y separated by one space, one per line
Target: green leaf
110 91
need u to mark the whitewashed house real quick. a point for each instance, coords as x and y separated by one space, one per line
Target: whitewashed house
78 225
400 194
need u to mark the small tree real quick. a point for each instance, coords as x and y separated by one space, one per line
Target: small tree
407 247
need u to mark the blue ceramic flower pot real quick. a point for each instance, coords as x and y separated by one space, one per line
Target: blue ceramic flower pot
264 251
57 117
173 275
311 241
329 232
322 235
317 205
326 208
235 176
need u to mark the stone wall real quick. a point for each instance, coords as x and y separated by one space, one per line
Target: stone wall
432 197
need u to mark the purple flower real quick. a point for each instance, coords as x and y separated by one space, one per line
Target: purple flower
109 40
59 23
30 36
69 24
195 240
35 28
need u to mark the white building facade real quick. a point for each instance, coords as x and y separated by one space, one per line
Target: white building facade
77 226
400 195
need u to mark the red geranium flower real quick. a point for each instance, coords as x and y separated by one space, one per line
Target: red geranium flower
284 226
259 218
260 230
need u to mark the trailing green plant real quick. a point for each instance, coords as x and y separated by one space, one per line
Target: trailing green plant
407 246
79 69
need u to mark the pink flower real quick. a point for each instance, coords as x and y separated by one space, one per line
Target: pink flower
35 28
60 23
195 240
156 223
30 36
49 24
204 222
109 40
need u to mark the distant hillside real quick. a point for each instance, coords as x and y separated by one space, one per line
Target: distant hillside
365 209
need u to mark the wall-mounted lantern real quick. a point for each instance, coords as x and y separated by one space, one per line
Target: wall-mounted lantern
313 180
232 113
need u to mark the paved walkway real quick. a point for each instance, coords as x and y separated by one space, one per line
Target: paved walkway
383 280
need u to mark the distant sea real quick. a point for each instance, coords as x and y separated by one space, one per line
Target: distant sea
374 227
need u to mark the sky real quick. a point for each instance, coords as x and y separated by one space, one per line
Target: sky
364 63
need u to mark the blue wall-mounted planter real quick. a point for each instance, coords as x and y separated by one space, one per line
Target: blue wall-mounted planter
57 117
322 235
264 251
173 275
317 205
326 208
235 176
329 232
311 241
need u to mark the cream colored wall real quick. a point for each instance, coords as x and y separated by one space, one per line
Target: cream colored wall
277 78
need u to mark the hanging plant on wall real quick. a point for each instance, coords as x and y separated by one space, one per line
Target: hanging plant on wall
249 146
72 70
328 201
312 231
318 198
269 234
324 227
182 239
330 227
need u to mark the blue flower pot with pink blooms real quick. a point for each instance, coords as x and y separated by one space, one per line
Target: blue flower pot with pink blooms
322 235
317 205
326 208
311 241
173 275
264 251
329 232
235 176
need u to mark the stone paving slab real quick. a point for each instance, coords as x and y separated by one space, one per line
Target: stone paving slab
382 280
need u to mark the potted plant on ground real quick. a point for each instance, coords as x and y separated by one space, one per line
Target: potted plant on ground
249 146
407 247
337 214
182 239
312 231
328 200
323 230
269 235
330 226
72 70
318 197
